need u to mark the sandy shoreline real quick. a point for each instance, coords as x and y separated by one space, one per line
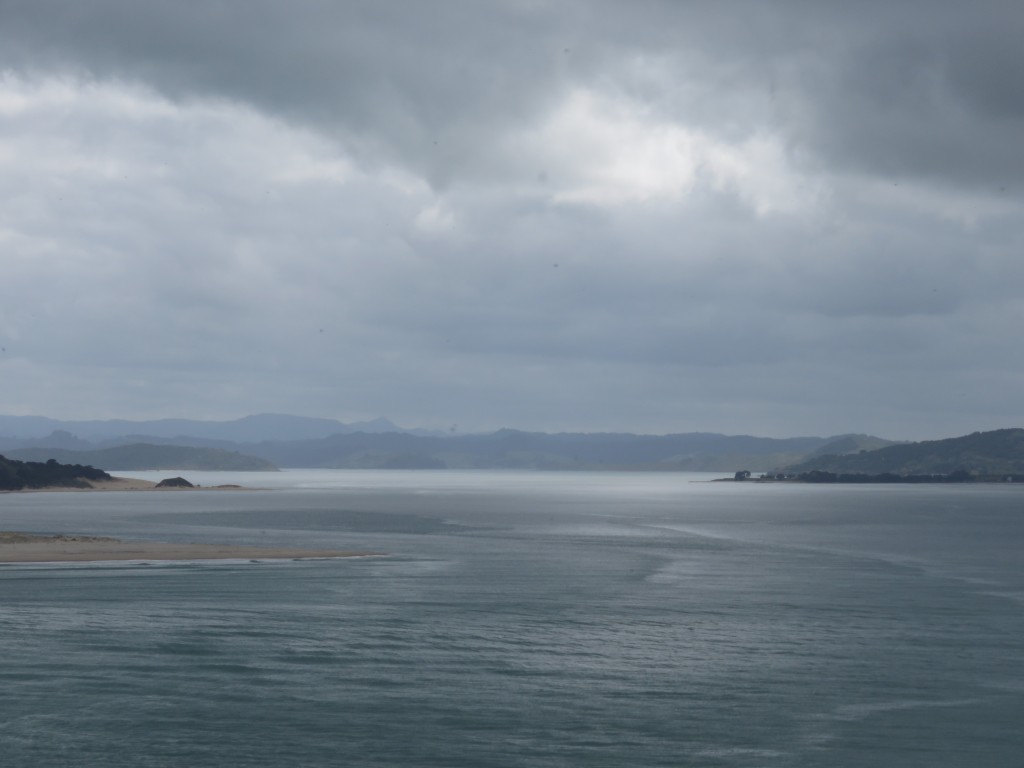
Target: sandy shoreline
30 548
127 484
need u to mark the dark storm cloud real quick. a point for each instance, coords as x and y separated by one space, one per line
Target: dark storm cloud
416 80
911 88
930 92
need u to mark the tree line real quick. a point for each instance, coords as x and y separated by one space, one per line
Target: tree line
17 475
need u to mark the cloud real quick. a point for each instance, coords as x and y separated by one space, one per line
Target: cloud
549 215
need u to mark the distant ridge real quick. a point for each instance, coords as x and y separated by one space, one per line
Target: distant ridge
257 428
848 444
298 441
998 452
143 456
513 449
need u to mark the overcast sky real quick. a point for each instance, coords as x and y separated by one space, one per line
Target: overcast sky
773 218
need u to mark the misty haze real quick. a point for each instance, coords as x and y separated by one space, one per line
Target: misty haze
548 383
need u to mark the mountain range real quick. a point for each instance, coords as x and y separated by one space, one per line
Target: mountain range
268 441
265 426
274 440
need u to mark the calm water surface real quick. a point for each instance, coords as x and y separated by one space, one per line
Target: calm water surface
523 619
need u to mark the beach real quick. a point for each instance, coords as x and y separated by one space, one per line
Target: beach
124 484
30 548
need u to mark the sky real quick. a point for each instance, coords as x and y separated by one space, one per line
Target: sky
785 218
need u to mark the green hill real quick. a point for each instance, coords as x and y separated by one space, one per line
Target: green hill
147 456
999 452
847 444
16 475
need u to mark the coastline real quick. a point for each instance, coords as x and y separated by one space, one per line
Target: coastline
31 548
126 484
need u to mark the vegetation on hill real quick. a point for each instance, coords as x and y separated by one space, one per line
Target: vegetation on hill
174 482
982 454
847 444
820 476
16 475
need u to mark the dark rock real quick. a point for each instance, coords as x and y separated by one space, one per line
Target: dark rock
175 482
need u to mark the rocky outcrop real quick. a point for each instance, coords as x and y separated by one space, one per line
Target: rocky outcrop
175 482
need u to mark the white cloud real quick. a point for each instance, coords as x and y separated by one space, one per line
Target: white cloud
609 150
435 219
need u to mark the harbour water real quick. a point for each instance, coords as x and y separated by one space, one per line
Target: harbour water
523 619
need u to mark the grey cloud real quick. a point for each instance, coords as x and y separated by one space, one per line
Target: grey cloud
418 81
353 209
919 88
436 87
920 91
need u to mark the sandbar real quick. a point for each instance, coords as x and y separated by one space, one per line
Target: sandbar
30 548
126 484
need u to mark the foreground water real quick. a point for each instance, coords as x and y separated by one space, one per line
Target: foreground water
524 619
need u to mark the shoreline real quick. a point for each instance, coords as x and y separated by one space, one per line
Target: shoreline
63 548
126 484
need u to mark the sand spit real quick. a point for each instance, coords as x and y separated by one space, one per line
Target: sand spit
29 548
127 484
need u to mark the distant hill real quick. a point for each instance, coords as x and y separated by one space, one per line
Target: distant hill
848 444
16 475
999 452
293 441
145 456
513 449
266 426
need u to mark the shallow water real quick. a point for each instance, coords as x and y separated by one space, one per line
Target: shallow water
524 619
